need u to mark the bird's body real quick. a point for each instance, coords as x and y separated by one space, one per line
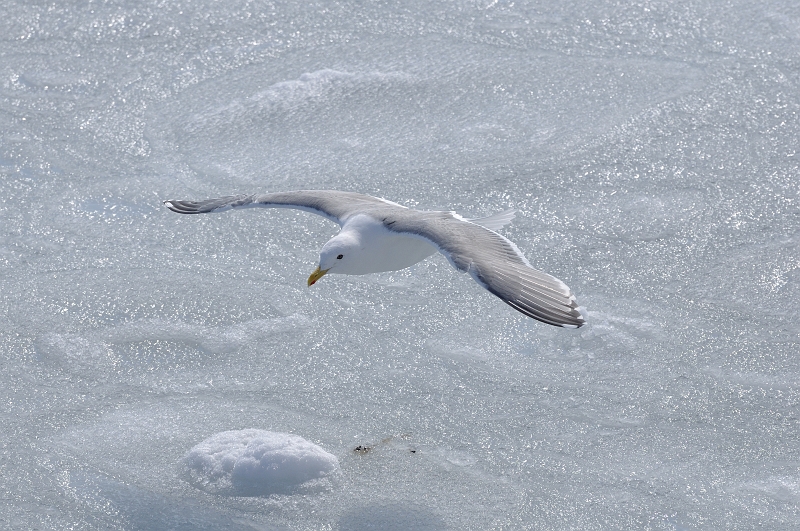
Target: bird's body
387 250
378 235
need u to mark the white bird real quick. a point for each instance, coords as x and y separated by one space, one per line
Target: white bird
379 235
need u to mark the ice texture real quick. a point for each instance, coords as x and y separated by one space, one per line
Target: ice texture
257 463
649 148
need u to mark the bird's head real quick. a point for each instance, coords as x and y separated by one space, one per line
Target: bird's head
336 256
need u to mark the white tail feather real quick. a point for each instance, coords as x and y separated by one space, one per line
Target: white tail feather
495 221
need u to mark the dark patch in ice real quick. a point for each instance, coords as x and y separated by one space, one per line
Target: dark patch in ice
392 440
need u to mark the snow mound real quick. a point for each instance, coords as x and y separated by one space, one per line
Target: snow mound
258 463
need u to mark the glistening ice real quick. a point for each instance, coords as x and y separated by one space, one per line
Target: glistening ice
649 150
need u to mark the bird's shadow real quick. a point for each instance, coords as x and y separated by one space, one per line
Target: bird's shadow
390 517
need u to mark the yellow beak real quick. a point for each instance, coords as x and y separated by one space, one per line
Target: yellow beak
316 275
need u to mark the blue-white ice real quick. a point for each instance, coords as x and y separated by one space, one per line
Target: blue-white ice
649 147
258 463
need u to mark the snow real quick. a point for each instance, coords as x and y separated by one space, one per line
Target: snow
256 463
648 147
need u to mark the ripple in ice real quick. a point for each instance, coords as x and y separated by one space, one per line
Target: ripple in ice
258 463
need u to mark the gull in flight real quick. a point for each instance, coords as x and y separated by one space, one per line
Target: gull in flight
378 235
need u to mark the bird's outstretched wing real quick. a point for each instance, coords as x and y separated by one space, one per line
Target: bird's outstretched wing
492 260
495 263
334 205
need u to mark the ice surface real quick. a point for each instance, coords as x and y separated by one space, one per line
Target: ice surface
257 463
648 147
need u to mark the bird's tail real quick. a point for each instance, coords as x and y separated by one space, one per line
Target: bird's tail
495 221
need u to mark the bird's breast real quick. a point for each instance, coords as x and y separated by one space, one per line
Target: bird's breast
398 251
382 249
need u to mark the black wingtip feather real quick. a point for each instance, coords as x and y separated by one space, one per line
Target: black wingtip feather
182 207
572 319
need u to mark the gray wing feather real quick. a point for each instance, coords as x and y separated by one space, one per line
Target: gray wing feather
334 205
495 263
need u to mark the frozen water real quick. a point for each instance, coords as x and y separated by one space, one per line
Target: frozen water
257 463
649 148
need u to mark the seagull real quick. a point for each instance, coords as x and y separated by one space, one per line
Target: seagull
379 235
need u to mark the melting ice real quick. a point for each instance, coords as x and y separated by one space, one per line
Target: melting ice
649 148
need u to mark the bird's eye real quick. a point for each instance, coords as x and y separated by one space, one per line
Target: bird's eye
340 257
